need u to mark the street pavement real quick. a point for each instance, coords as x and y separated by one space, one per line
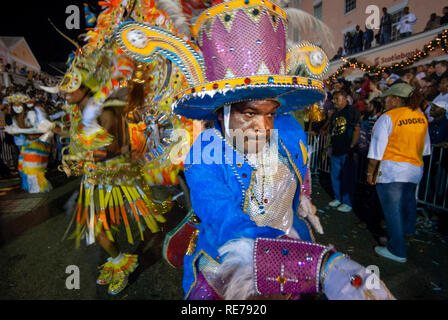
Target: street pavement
34 258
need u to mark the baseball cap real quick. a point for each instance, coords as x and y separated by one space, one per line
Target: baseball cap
402 90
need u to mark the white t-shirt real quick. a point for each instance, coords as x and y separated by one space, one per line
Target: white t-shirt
393 171
407 27
441 98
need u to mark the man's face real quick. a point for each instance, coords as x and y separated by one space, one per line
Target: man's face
76 96
340 102
440 69
443 86
255 119
406 10
429 92
392 102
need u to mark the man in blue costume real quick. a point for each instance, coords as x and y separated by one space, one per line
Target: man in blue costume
246 174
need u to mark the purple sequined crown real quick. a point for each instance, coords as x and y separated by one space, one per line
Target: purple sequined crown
249 40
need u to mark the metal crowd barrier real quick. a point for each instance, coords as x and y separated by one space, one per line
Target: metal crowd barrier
316 145
432 190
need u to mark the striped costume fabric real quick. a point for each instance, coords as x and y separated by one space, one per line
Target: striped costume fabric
33 160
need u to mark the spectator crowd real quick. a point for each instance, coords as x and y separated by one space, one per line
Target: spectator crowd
362 40
347 121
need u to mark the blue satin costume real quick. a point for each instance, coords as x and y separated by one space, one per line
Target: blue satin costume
217 191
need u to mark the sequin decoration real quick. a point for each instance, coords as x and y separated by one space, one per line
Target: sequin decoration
284 269
356 281
270 198
242 31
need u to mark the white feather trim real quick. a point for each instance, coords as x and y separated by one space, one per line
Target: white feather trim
237 269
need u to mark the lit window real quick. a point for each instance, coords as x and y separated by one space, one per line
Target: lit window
350 5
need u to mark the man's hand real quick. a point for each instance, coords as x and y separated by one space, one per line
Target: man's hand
370 179
372 171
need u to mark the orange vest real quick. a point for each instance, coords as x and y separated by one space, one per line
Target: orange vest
407 140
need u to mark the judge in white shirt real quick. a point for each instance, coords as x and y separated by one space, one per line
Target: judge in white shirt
406 24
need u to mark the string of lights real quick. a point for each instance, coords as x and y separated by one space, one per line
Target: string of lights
441 41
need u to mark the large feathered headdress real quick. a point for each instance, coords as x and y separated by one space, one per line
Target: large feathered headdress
243 56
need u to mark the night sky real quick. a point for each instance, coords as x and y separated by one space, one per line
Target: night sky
30 20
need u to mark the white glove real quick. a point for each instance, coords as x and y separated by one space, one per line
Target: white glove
338 282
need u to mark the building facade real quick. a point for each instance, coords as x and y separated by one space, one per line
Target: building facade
16 52
343 16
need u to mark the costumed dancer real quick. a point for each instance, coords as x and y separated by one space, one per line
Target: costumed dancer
32 134
113 187
249 240
112 133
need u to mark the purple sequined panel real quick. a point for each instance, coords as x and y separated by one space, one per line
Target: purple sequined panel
284 266
203 291
245 47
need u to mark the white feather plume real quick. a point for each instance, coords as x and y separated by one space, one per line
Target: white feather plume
174 11
309 27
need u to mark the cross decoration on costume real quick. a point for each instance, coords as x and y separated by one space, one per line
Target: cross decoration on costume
281 279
